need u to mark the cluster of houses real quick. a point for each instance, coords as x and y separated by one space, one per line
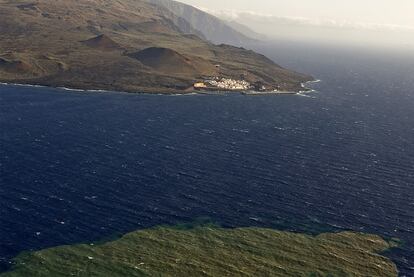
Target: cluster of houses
224 83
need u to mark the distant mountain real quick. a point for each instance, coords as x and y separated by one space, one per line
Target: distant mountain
213 28
124 45
246 30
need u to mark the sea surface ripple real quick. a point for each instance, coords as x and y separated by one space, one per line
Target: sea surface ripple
79 167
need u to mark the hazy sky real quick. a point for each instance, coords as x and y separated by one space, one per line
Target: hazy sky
381 12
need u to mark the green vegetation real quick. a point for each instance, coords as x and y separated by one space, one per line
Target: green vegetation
213 251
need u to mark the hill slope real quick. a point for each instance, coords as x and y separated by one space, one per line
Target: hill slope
167 60
102 42
213 28
89 44
246 30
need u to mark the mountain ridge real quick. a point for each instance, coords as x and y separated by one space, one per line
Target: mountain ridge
88 44
214 29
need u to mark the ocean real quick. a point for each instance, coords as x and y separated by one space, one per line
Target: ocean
85 166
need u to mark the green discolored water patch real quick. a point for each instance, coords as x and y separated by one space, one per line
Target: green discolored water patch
214 251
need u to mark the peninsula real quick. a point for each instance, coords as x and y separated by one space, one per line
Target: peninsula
126 45
213 251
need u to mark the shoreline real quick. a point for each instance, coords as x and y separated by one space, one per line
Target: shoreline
172 92
309 82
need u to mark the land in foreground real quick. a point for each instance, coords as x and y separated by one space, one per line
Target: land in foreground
212 251
133 46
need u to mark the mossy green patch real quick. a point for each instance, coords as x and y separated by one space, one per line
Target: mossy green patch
213 251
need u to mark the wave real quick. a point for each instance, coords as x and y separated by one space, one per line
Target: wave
307 89
22 85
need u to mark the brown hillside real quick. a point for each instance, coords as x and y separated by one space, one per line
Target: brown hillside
14 66
163 59
81 44
102 42
171 62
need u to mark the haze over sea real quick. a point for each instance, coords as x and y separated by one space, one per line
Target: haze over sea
80 167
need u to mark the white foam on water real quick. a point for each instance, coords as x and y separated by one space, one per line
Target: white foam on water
70 89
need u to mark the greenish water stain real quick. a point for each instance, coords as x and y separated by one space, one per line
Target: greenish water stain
213 251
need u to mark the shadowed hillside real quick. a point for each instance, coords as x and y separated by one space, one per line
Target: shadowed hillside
14 66
213 28
163 59
102 42
167 61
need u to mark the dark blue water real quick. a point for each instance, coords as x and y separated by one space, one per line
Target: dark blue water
79 167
